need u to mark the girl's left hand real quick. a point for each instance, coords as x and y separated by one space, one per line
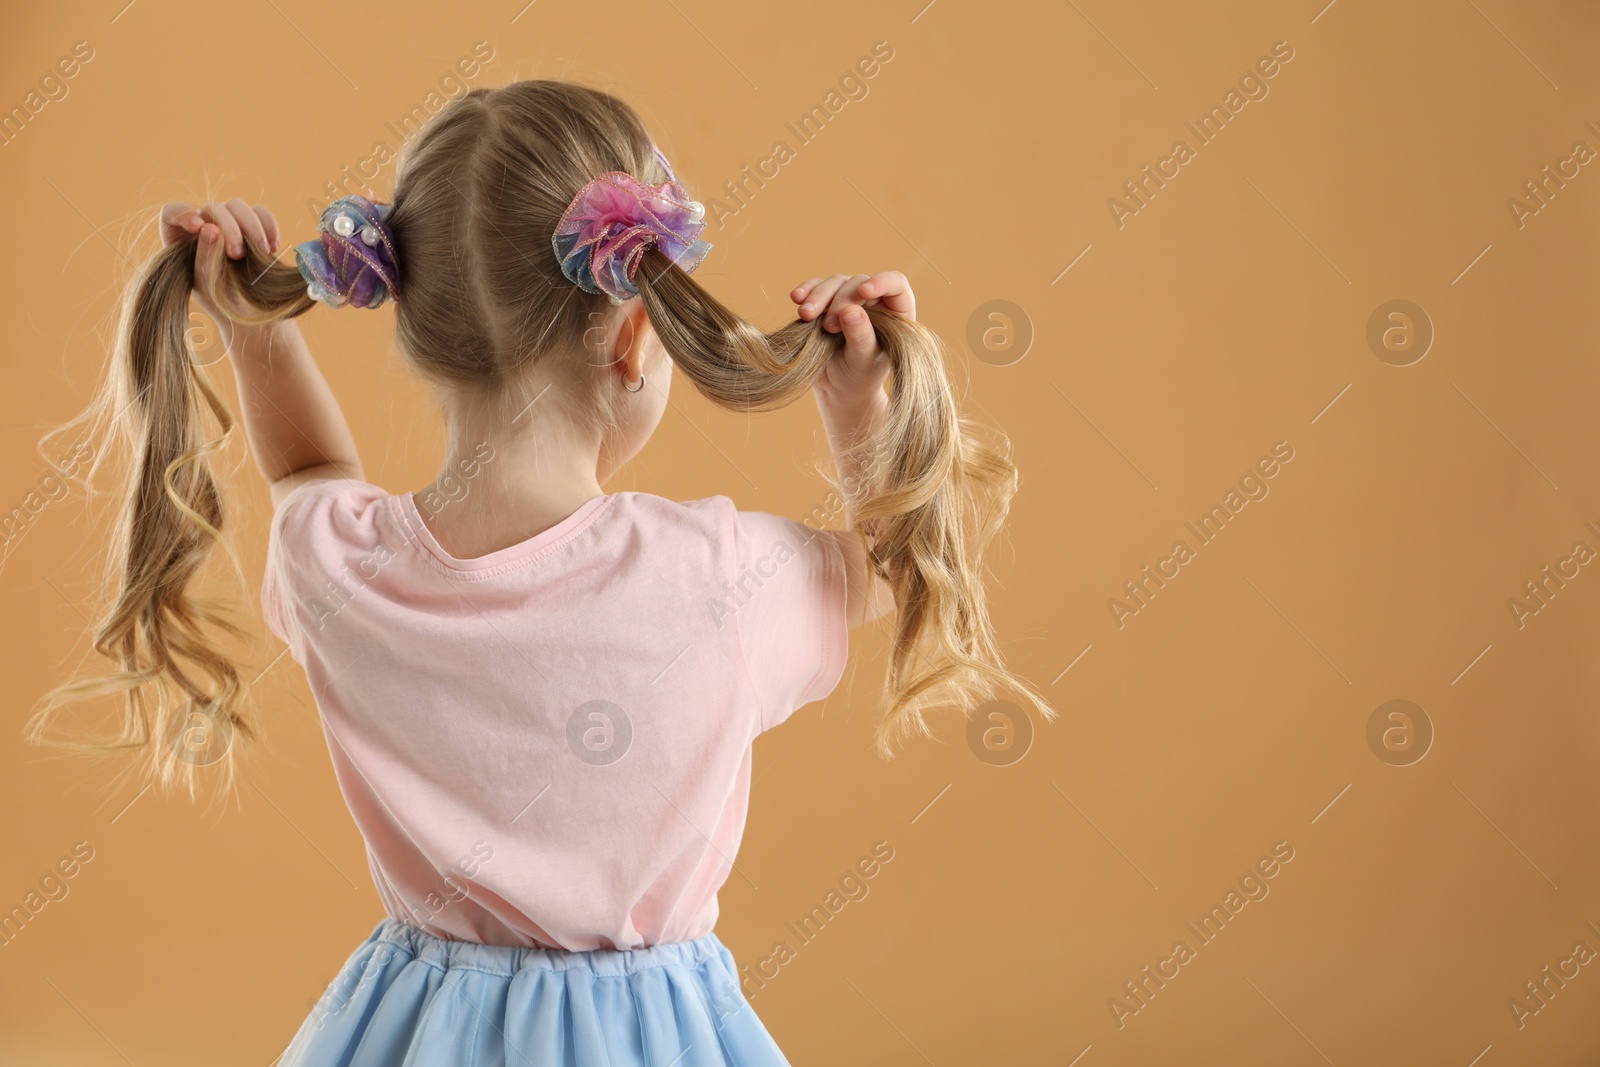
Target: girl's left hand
223 230
859 371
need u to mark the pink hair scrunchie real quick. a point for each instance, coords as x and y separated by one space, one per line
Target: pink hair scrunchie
614 220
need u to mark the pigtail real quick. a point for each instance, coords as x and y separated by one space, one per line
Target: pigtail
180 693
934 496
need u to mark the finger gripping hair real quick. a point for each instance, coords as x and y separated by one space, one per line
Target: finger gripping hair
933 494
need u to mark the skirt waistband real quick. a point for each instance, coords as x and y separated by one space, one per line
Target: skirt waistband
508 960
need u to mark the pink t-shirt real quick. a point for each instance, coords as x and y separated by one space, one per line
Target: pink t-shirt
551 744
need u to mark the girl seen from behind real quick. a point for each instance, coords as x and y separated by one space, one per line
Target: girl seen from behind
539 698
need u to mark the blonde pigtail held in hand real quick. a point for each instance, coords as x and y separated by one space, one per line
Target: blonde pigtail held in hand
934 496
158 416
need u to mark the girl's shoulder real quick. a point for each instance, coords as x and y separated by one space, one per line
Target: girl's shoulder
327 498
344 493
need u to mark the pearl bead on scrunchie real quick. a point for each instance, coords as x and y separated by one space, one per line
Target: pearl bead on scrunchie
353 261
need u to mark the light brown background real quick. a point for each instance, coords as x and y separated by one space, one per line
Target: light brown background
1223 318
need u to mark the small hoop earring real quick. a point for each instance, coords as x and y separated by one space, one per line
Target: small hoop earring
641 384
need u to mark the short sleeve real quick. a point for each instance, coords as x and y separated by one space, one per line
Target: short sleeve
272 603
791 616
305 537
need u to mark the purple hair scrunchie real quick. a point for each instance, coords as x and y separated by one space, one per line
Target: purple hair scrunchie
353 261
615 219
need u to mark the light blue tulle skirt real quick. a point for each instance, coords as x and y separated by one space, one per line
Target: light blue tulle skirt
405 998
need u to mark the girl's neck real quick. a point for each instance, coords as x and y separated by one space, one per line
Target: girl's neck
508 479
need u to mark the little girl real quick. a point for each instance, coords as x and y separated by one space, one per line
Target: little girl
539 698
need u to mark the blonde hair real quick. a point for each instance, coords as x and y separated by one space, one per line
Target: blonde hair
478 194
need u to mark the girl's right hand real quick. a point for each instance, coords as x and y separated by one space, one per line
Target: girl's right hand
223 230
856 375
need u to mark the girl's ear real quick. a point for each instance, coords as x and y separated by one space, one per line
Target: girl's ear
627 353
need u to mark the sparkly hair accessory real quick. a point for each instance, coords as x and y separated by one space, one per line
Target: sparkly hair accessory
353 261
615 219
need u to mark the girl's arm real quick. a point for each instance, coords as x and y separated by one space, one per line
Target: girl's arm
846 423
850 394
296 430
295 427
